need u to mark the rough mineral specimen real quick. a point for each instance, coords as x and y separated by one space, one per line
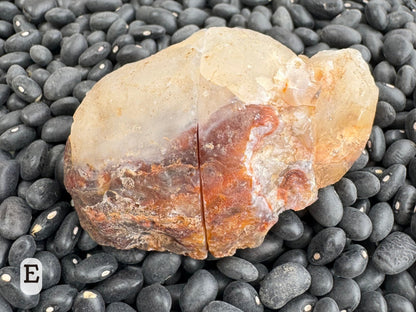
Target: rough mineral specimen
199 147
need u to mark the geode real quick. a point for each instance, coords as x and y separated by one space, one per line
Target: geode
199 147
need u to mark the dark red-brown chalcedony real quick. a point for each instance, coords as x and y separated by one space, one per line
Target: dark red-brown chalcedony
199 147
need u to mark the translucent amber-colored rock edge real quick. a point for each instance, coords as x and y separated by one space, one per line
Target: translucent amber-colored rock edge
199 147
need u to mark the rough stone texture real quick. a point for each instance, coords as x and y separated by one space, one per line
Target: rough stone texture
201 146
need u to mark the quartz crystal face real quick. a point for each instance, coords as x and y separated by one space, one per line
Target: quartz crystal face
199 147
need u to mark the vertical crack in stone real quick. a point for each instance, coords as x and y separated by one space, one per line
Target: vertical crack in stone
201 189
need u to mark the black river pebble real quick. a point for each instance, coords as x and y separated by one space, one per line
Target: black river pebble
51 268
119 307
47 222
394 254
88 300
346 293
238 269
327 210
272 247
340 36
61 83
72 48
399 303
326 304
243 296
9 177
35 114
15 217
303 302
372 301
384 72
382 219
376 145
286 37
403 204
58 297
351 262
23 247
402 284
326 246
10 289
356 224
367 184
158 267
289 226
33 159
293 255
324 9
371 279
390 181
321 280
284 283
220 306
397 50
56 129
154 298
66 236
26 88
392 95
95 268
201 288
122 285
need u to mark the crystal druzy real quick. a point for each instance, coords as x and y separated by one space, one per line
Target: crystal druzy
199 147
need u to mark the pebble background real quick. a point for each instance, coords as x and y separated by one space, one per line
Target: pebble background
352 250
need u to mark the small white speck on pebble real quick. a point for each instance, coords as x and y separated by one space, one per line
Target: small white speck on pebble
257 299
25 34
389 85
316 256
115 49
74 261
175 14
102 66
6 277
307 308
36 228
386 178
89 295
379 171
49 309
51 215
105 273
397 205
100 49
14 130
75 230
364 254
147 33
414 126
71 202
21 89
17 23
